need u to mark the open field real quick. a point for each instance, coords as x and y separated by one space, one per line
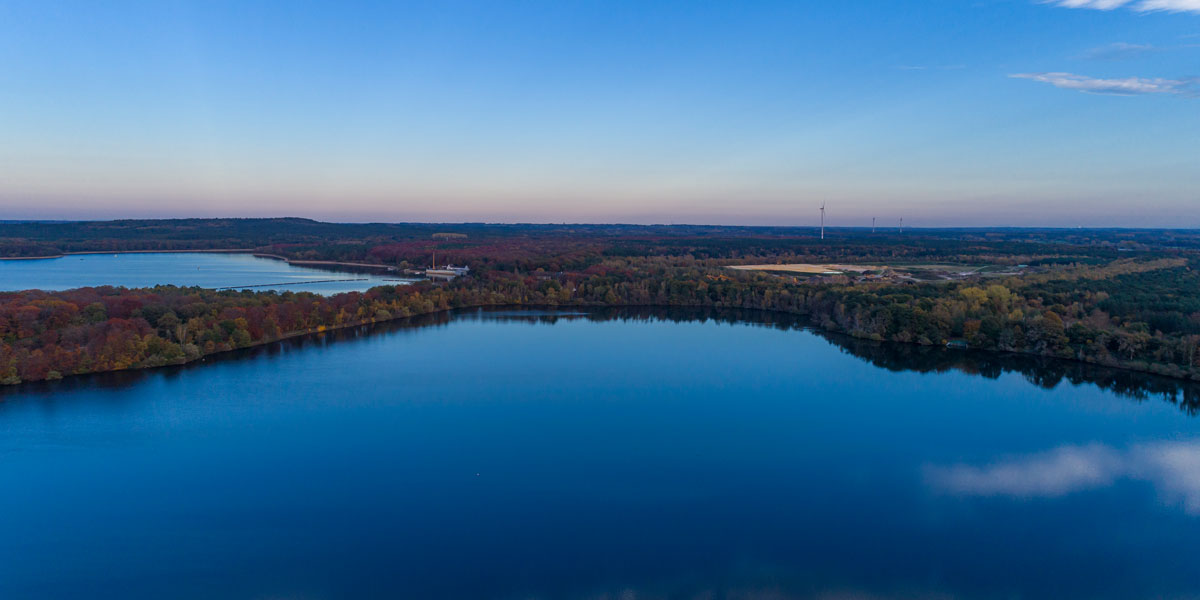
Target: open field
930 272
807 268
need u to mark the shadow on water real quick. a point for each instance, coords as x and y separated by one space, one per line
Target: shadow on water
116 380
1046 373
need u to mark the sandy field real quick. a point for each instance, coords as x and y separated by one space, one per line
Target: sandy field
805 268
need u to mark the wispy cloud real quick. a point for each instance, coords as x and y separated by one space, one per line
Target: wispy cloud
1172 467
1138 5
1170 5
1128 86
1119 51
1125 50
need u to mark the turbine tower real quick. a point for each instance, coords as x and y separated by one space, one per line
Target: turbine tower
822 220
872 224
901 224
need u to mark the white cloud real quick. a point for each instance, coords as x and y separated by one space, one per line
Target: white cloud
1138 5
1051 474
1173 468
1127 86
1170 5
1096 4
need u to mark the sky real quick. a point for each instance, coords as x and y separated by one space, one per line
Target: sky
940 112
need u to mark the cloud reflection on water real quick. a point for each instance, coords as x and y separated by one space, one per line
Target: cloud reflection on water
1173 468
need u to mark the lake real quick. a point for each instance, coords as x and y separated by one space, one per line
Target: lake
204 269
600 454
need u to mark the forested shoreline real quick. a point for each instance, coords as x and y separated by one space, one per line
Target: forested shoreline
1127 299
48 335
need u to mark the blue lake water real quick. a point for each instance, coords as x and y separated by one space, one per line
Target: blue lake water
626 454
210 270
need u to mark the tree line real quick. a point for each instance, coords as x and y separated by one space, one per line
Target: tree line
1140 313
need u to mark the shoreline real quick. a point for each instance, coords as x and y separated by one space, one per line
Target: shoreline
810 325
250 251
84 252
326 263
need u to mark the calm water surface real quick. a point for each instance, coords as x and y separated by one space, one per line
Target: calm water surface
655 455
210 270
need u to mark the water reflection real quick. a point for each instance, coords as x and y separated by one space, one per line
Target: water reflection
1046 373
1173 468
114 380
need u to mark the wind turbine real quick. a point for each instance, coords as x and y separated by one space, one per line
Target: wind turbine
901 224
822 220
872 224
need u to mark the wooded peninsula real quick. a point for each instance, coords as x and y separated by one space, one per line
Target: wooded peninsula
1119 298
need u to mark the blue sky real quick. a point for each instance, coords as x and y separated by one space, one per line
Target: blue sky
946 112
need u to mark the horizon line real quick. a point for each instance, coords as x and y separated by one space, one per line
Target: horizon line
882 228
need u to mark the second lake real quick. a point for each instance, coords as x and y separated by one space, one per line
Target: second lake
209 270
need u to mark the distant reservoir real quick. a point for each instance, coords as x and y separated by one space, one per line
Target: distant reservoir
209 270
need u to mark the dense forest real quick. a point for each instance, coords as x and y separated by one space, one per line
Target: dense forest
1117 298
543 245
